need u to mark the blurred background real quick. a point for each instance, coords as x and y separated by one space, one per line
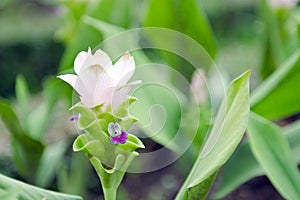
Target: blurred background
40 38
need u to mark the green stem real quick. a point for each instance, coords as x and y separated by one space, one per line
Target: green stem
109 193
109 181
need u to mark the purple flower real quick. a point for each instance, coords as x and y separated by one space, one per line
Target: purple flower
120 139
117 136
74 118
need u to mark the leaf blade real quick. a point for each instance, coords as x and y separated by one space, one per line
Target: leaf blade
26 191
275 97
274 156
224 136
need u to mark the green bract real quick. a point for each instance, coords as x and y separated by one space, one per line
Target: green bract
110 161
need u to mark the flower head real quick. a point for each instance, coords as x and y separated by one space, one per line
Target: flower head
98 81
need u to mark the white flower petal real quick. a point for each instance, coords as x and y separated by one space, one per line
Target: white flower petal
75 83
123 70
100 59
80 59
90 76
88 101
98 81
104 96
120 94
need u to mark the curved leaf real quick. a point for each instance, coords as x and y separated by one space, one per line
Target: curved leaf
243 162
27 192
276 96
225 135
184 16
26 150
272 151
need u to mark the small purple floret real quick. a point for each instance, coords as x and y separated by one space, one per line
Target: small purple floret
74 118
120 139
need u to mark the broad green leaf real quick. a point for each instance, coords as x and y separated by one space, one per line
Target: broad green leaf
29 192
276 96
26 151
272 151
184 16
243 162
225 135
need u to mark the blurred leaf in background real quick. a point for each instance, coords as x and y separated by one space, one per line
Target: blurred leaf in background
26 38
280 33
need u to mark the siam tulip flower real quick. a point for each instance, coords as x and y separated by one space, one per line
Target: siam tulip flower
98 81
104 116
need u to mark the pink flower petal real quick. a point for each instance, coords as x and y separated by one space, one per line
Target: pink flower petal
123 70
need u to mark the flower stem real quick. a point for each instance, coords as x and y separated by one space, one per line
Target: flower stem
110 193
109 181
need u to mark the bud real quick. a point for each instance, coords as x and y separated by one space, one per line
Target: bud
198 87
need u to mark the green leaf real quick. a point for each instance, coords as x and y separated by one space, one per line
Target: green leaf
276 96
22 97
40 116
273 44
70 178
26 151
292 133
9 195
272 151
245 163
223 139
184 16
157 111
28 192
50 163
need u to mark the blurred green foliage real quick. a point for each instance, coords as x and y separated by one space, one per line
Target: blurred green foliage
26 43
